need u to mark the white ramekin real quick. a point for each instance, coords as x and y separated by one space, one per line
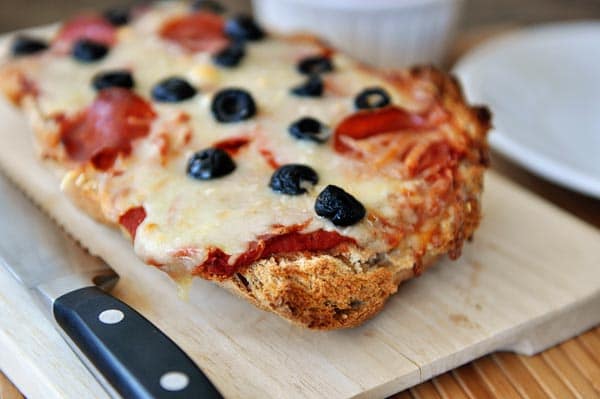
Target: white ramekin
383 33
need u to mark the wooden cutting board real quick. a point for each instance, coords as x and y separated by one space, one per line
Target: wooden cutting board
530 279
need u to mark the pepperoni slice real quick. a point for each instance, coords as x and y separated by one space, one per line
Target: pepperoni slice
91 27
367 123
269 158
200 31
232 145
131 219
217 262
116 118
438 156
319 240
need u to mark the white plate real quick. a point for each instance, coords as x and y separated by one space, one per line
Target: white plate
543 87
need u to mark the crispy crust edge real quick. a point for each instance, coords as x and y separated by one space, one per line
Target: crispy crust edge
326 292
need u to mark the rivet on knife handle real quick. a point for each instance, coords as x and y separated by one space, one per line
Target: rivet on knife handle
134 356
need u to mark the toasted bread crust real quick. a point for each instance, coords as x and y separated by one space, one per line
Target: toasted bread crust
326 292
322 290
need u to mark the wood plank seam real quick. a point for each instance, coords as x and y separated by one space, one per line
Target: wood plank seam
547 378
569 373
495 379
471 383
583 361
525 383
448 387
403 395
591 343
425 390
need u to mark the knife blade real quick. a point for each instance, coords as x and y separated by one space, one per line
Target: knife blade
128 355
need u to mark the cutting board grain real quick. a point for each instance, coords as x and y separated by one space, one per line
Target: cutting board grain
529 280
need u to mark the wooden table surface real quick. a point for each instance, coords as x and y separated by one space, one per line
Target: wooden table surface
569 370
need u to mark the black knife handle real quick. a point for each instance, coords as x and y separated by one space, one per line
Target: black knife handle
134 356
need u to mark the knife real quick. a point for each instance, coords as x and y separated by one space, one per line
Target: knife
128 355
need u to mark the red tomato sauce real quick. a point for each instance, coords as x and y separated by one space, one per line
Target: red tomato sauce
438 156
26 88
200 31
217 262
91 27
232 145
367 123
131 220
269 158
107 127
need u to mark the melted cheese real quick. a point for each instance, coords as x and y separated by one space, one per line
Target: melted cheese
230 212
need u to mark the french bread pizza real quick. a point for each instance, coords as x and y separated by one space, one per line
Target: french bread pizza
290 174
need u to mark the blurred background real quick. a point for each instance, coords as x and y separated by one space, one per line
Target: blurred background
15 14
